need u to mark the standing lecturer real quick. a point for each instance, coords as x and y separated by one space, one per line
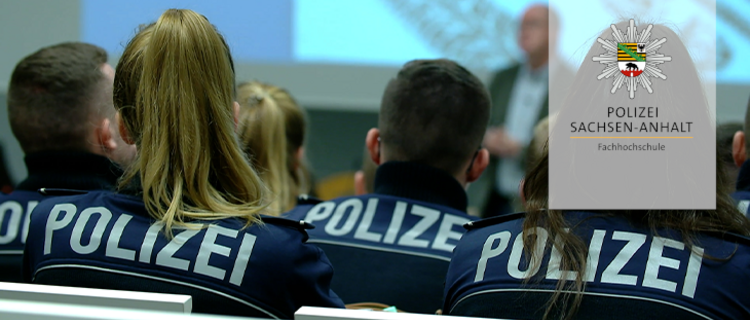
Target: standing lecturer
519 100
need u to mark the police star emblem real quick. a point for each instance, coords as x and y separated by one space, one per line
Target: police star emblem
632 58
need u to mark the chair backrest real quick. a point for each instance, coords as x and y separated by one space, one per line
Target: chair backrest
317 313
29 310
204 300
363 275
96 297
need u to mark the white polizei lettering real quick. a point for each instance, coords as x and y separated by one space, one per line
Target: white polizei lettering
113 242
612 273
243 256
595 250
54 224
693 271
489 252
362 232
14 222
27 220
351 220
657 259
537 254
554 267
398 218
96 235
320 212
429 217
148 242
166 258
446 232
209 246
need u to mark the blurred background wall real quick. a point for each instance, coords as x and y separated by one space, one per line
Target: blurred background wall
334 56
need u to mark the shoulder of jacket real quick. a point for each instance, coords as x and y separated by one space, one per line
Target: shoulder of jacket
61 192
299 224
471 225
304 199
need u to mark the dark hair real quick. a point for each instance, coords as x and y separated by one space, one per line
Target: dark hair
52 93
434 112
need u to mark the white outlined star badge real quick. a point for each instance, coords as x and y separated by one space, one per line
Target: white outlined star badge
631 58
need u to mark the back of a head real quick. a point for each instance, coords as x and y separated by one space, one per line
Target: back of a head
54 94
174 88
434 112
271 127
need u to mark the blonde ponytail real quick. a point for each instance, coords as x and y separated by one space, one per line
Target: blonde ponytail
271 128
174 89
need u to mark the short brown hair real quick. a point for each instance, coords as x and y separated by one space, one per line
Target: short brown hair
434 112
52 94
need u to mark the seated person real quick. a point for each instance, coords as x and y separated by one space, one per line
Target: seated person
60 110
393 246
609 264
187 217
272 129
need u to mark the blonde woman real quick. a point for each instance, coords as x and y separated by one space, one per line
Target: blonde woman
272 130
188 217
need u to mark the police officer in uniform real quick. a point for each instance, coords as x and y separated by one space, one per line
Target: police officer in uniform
608 264
60 110
393 246
681 264
188 217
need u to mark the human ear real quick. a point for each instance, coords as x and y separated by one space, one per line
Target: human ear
105 136
739 153
372 141
236 110
479 163
124 134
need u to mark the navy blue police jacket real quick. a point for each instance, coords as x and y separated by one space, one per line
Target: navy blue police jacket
392 246
107 240
742 194
74 170
632 273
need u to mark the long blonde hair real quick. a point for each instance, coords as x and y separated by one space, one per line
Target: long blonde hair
174 90
271 127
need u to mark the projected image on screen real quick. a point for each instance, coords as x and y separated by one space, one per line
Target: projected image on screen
479 33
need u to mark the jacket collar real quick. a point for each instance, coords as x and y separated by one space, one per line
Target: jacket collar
420 182
69 170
